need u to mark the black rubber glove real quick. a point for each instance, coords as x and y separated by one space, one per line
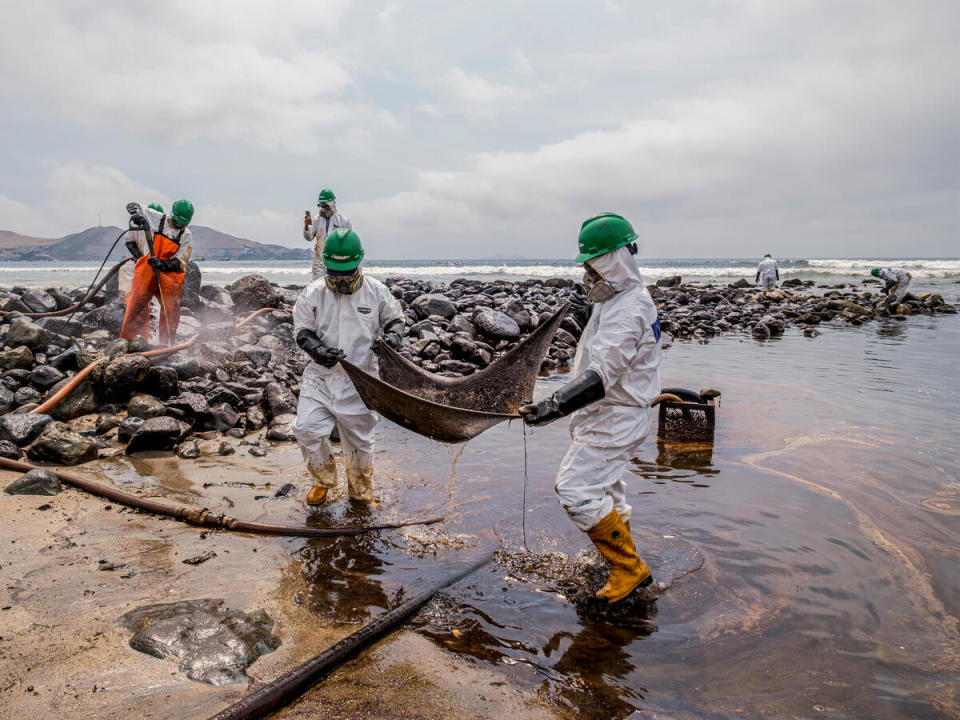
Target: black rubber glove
392 336
170 265
579 392
580 308
138 222
321 354
134 250
133 208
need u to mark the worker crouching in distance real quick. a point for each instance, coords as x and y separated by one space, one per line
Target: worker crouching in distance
316 231
342 315
895 284
162 249
617 376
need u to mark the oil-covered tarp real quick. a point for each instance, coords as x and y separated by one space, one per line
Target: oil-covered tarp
455 409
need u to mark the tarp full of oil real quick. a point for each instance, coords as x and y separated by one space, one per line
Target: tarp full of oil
452 409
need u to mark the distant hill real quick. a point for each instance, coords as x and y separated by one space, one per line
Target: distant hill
93 243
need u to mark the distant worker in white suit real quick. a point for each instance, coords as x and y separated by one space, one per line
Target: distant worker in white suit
316 231
768 273
896 281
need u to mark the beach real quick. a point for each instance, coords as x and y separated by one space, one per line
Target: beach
809 555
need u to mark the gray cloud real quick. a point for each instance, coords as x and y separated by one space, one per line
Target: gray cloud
724 128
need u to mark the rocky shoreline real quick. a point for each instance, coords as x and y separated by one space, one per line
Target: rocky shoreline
235 387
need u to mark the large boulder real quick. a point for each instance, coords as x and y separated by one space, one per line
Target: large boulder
124 374
39 301
277 400
434 304
495 324
45 377
82 400
108 317
60 444
252 292
158 433
191 287
22 428
18 357
23 331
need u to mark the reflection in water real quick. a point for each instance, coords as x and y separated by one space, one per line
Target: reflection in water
689 463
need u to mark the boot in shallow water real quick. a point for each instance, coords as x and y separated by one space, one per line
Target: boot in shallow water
627 571
316 495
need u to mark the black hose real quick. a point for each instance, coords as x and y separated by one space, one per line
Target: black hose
291 685
105 258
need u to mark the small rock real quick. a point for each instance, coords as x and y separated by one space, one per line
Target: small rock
35 482
209 555
128 427
60 444
18 357
8 450
158 433
144 406
495 324
22 428
188 450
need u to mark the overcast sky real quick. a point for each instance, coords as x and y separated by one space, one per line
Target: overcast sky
462 130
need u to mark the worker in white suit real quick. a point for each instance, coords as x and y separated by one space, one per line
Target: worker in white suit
316 231
617 376
341 315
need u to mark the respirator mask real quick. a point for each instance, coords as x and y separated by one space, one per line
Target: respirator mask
598 289
325 210
345 282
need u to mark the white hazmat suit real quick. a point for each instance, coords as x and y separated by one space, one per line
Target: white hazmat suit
350 322
317 232
769 273
621 343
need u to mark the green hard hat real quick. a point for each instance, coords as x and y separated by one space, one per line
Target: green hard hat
326 196
156 206
183 211
875 272
342 250
604 233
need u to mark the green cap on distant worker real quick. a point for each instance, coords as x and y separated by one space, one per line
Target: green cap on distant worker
604 233
326 196
182 212
875 272
156 206
342 250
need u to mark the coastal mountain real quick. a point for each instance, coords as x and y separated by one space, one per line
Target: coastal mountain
93 243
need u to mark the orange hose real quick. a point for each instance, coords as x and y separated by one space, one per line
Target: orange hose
261 311
54 400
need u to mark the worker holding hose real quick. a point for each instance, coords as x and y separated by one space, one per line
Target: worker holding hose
160 268
316 231
617 377
341 315
135 240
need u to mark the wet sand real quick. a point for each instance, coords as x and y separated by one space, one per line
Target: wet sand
825 517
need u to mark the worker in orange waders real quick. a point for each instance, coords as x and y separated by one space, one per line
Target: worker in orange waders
160 269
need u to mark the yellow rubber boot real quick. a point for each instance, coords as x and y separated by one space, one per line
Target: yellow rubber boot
627 571
316 495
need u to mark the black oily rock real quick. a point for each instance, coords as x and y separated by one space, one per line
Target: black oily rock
109 317
255 354
214 644
63 326
124 372
253 292
7 402
255 418
26 395
192 368
128 427
35 482
67 360
190 404
188 450
22 428
162 381
190 298
38 301
144 406
105 424
434 304
18 357
221 394
280 428
8 450
23 331
158 433
82 400
495 324
277 400
222 417
60 444
45 377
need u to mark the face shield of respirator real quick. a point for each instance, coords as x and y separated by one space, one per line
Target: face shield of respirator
344 282
598 289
